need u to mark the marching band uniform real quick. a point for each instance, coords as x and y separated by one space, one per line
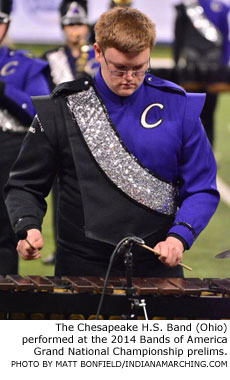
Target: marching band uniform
121 169
64 67
202 44
20 77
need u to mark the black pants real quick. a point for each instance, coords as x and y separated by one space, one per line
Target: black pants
10 144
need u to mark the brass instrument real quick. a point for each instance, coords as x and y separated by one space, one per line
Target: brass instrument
123 2
81 62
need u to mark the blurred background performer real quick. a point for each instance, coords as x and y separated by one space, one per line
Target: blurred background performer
202 46
21 76
68 62
76 55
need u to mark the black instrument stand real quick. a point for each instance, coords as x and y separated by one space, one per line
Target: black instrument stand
135 303
124 248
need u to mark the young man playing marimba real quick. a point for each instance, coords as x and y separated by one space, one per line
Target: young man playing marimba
131 156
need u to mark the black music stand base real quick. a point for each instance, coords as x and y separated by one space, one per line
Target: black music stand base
135 303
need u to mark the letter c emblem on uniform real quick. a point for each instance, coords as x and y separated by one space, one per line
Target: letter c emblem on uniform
9 68
144 115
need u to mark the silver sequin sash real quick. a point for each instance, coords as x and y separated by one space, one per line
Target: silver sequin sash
120 166
59 66
8 123
196 14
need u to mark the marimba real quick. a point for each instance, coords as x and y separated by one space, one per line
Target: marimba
78 297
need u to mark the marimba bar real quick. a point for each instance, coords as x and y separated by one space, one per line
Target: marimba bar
165 297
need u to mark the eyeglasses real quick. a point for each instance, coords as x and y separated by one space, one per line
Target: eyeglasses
121 73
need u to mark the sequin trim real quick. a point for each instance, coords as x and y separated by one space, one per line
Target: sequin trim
118 164
196 14
59 66
8 123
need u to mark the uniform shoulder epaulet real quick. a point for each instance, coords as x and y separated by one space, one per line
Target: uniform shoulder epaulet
163 84
24 53
77 85
18 52
27 54
195 104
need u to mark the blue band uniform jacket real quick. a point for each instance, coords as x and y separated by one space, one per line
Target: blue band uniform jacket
161 133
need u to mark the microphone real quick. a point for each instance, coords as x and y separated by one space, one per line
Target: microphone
22 235
128 242
122 248
136 240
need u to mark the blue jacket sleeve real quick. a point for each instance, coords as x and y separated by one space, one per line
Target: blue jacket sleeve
198 196
29 81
